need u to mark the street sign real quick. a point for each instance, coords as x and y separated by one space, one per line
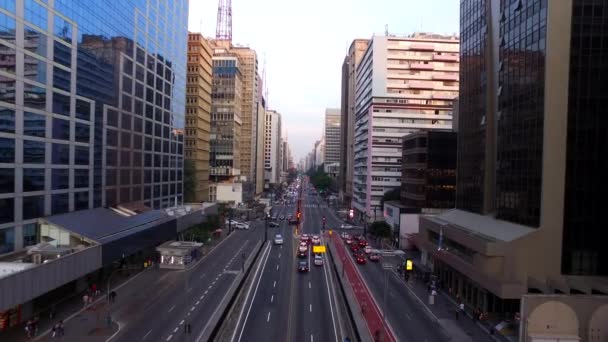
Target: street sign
387 266
318 249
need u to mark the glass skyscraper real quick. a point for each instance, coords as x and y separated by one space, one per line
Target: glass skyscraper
91 108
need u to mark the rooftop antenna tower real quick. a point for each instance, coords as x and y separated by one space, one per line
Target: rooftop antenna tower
223 30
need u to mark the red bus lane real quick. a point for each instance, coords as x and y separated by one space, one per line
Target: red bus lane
371 313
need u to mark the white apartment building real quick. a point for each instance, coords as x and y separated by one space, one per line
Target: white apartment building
403 84
272 147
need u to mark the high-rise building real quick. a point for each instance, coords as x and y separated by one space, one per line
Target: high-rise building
198 115
332 136
320 152
403 84
91 112
531 159
272 147
226 108
259 149
347 118
249 101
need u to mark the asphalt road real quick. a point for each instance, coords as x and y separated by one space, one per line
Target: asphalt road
404 314
159 309
286 305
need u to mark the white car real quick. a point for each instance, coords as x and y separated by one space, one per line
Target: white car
242 225
346 226
316 240
303 247
318 260
278 239
367 249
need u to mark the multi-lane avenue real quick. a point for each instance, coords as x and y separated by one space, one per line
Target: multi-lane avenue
284 305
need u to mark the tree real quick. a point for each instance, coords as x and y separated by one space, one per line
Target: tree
380 229
189 181
391 195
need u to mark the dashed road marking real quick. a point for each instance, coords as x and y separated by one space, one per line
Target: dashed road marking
175 330
192 308
182 322
146 335
277 267
198 302
268 318
173 307
275 284
309 285
168 338
272 298
310 307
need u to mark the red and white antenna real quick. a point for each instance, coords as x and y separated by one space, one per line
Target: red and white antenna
223 30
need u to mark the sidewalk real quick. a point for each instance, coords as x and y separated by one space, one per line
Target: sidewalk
91 324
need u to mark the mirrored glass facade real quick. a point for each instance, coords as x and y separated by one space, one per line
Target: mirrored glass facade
74 73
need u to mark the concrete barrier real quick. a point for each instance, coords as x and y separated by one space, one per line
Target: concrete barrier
353 306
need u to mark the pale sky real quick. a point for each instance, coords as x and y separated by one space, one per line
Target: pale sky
305 43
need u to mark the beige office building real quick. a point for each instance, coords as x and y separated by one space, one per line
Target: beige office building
260 136
249 75
198 113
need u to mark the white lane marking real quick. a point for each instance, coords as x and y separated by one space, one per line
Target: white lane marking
198 302
275 284
173 307
207 290
213 283
182 322
203 296
146 335
311 339
279 255
268 318
175 330
192 308
254 294
309 285
168 338
408 316
277 267
331 308
310 307
272 298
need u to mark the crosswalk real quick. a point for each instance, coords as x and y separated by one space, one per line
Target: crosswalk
315 206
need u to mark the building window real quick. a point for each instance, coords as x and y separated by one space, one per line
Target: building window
7 150
33 207
7 120
34 152
33 96
61 154
61 104
81 200
60 179
34 124
33 180
7 237
61 129
60 203
81 178
30 234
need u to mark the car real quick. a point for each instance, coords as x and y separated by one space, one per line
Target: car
273 225
306 238
293 222
345 236
318 260
348 241
354 248
281 217
362 243
289 217
374 257
367 249
303 247
358 237
278 239
273 217
303 266
360 258
316 240
302 254
346 226
241 225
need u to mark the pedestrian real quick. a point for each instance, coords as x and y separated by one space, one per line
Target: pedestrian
461 308
85 299
94 289
54 331
28 329
35 325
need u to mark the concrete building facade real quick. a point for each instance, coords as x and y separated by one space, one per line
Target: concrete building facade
198 112
259 148
520 225
331 132
347 118
226 108
272 147
403 84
